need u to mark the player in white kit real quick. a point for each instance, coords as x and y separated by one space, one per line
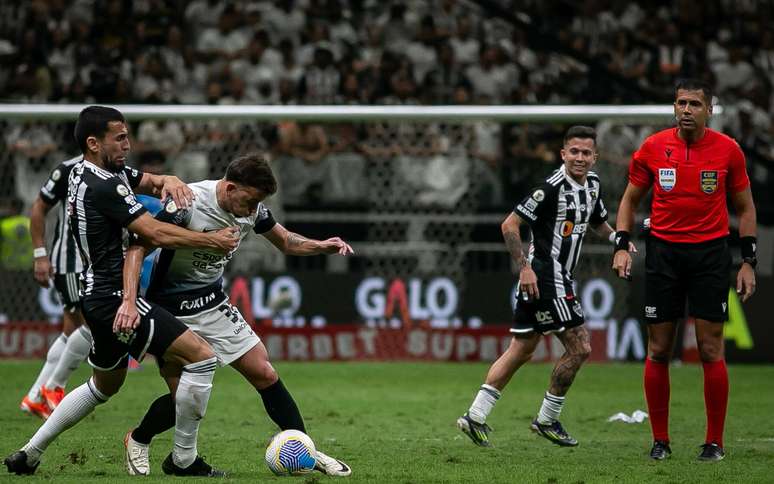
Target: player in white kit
188 283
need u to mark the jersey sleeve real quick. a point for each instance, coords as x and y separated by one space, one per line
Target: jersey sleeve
117 202
55 188
134 176
534 205
265 220
599 213
639 174
737 172
170 213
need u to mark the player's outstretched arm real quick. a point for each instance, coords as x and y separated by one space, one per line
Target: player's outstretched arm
745 210
42 270
512 236
163 186
160 234
622 259
291 243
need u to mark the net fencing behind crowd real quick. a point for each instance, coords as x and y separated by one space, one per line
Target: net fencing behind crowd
418 191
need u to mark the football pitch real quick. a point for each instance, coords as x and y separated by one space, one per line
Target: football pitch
395 423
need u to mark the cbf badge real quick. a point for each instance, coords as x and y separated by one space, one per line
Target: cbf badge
667 177
709 181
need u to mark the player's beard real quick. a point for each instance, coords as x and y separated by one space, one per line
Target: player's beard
111 164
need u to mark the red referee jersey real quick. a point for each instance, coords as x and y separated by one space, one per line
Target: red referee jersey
690 183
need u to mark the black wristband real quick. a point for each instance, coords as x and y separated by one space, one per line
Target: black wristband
622 238
749 247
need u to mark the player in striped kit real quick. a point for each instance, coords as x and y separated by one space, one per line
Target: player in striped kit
64 267
559 212
189 284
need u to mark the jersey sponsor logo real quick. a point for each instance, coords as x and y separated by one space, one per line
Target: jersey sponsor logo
650 311
531 204
709 181
122 190
569 228
527 213
197 303
49 185
56 175
134 209
667 178
539 195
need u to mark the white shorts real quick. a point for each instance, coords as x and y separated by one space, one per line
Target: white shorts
225 330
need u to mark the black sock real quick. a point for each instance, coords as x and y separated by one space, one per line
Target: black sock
281 407
159 418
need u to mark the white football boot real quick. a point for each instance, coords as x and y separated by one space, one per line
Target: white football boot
330 466
137 462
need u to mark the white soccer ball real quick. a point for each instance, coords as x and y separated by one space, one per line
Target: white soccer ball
291 453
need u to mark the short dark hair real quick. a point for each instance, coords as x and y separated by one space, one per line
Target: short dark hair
694 84
252 170
93 121
582 132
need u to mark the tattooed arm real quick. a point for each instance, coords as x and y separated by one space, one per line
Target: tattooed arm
291 243
527 277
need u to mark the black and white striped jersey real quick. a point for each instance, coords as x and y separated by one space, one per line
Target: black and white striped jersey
100 205
559 212
65 258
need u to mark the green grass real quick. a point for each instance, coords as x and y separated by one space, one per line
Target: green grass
394 423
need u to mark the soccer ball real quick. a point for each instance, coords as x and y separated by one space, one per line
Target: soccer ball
291 452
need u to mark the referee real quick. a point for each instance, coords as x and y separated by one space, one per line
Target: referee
692 169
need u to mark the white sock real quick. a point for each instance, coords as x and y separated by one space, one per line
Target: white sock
76 350
550 410
52 358
193 393
483 403
72 409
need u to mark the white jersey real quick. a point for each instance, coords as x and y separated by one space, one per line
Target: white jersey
188 281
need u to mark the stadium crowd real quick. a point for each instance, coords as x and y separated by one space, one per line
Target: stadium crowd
416 52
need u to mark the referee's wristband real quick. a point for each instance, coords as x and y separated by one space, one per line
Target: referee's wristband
39 252
749 247
621 240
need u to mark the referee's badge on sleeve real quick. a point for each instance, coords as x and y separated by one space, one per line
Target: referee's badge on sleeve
709 181
667 178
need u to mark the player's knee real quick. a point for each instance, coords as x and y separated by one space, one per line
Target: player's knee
264 376
709 352
583 351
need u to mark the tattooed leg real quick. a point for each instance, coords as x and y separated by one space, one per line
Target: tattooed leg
577 346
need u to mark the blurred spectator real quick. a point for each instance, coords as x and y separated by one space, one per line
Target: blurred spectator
466 47
301 153
31 145
320 82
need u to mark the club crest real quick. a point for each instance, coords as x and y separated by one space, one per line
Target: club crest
709 181
667 178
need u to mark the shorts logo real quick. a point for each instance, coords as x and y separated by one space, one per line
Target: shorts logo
539 195
544 317
725 305
126 338
667 178
122 190
650 311
709 181
171 207
577 308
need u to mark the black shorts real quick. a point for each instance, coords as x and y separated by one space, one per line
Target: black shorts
68 287
156 331
546 315
696 274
